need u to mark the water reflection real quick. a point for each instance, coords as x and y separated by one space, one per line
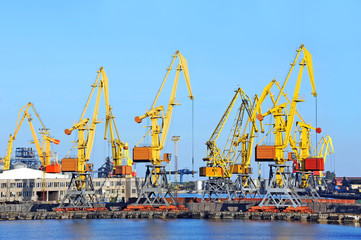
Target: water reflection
182 229
79 229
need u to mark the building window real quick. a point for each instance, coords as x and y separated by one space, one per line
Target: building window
32 184
38 185
12 194
134 191
62 184
19 185
12 185
3 185
3 194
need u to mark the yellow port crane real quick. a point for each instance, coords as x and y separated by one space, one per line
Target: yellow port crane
305 143
159 132
119 148
42 150
324 148
248 137
305 165
221 162
279 184
81 191
85 142
244 182
156 175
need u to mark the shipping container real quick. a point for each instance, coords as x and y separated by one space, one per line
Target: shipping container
265 153
314 164
210 172
142 154
69 164
123 170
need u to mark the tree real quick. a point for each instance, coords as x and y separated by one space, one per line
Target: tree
330 175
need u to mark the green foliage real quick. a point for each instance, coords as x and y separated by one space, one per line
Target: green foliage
330 175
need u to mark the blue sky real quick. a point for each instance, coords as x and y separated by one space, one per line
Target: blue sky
50 51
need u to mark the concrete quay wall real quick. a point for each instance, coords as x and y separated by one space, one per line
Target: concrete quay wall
332 218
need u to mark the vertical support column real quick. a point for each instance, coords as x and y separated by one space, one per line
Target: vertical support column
175 139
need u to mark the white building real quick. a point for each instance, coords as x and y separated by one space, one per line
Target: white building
25 184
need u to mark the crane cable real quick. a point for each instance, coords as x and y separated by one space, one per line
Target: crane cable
193 138
316 122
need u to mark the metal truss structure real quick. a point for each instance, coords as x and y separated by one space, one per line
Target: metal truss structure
218 188
305 185
81 192
245 187
155 189
280 191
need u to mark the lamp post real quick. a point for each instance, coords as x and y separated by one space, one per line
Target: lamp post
175 139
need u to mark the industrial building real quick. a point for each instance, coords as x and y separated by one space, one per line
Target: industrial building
30 185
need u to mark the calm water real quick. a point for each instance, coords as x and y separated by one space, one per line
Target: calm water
108 229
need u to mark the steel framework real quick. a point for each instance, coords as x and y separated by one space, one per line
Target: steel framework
155 189
280 191
245 187
305 185
81 192
217 188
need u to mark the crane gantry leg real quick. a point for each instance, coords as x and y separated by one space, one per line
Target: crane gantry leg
155 189
218 188
81 192
305 185
280 191
245 187
320 184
